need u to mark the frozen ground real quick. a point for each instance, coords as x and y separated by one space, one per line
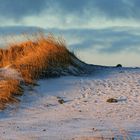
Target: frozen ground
85 113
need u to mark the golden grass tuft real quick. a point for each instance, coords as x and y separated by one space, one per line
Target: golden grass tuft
9 89
33 59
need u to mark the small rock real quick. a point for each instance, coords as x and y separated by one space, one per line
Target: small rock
61 101
44 129
94 129
119 65
112 100
85 101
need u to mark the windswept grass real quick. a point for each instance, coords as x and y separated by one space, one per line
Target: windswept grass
9 88
34 59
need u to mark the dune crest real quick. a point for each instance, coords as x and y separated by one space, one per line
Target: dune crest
32 60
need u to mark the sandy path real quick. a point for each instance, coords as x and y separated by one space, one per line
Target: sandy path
85 113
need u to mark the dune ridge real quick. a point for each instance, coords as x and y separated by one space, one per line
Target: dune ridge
32 60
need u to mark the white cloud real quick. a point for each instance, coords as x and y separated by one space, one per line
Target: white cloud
62 21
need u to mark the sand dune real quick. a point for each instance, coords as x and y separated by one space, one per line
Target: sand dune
85 113
32 60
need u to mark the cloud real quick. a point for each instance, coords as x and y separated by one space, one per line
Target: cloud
69 12
104 41
109 8
17 9
129 44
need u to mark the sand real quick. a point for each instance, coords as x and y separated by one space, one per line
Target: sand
84 115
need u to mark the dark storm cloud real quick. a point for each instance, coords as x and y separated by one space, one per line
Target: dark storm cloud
108 8
17 9
119 8
70 6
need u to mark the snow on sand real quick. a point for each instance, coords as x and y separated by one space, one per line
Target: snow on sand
84 113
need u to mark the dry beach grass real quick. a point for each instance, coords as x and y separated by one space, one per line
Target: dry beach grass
33 59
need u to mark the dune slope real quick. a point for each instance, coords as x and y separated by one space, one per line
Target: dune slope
85 114
32 60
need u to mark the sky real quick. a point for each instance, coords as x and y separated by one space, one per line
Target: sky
103 32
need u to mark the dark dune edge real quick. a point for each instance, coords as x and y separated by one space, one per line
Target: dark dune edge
44 57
